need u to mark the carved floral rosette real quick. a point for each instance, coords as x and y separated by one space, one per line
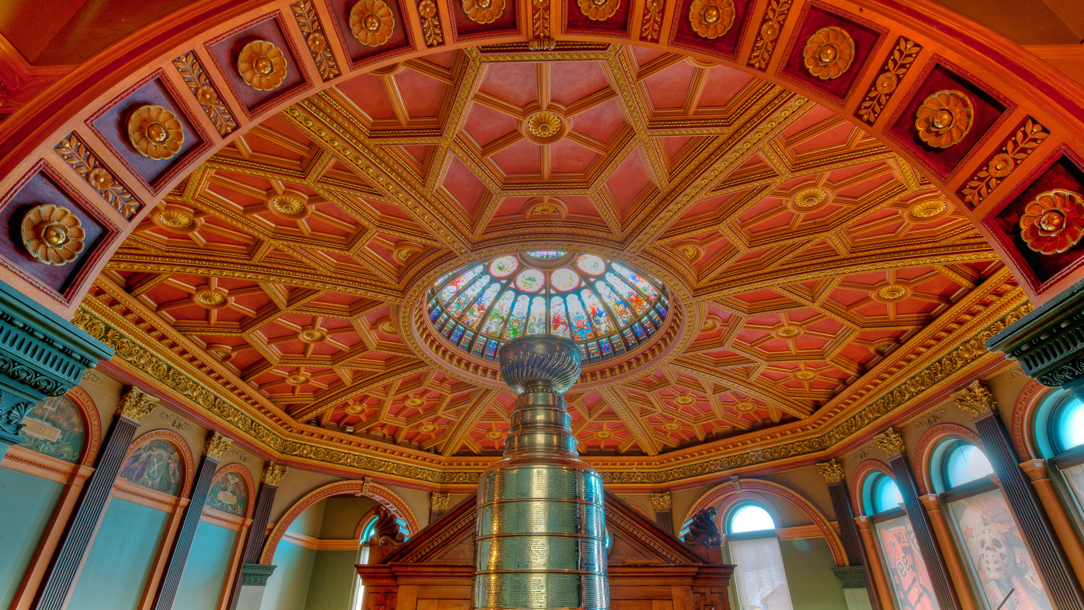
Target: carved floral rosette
52 234
944 118
1053 222
711 18
371 22
484 11
599 10
155 132
828 53
262 65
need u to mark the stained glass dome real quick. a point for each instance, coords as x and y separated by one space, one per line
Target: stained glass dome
607 308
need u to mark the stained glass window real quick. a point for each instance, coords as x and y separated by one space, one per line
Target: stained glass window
606 307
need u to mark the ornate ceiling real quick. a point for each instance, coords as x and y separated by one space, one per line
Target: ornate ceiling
799 252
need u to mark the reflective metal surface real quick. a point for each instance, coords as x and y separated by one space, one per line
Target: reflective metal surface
541 524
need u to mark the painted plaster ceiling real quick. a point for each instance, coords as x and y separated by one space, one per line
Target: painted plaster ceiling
806 251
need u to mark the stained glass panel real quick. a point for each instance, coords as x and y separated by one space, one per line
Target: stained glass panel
582 296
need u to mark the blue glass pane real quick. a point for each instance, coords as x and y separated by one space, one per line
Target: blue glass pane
750 518
1070 425
886 494
965 463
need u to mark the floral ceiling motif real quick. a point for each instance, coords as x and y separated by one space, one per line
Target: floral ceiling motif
798 251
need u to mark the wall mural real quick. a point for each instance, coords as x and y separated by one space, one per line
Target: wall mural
229 494
998 557
155 465
910 581
54 427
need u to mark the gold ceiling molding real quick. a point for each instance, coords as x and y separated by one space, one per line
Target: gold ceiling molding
175 373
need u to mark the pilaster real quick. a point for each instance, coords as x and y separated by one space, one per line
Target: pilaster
257 533
215 448
876 566
952 558
1059 519
833 475
60 578
892 443
1035 528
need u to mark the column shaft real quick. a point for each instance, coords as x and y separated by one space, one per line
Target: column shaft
1059 519
927 544
875 566
848 532
182 544
1046 552
257 533
952 559
60 578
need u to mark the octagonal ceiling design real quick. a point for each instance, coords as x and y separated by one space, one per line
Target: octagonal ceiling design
805 251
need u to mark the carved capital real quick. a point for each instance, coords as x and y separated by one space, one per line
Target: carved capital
976 399
438 502
831 471
135 404
272 475
863 523
1035 469
256 574
890 442
661 500
929 502
217 446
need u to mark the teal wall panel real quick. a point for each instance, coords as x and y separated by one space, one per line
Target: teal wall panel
332 582
26 504
813 585
120 559
288 587
206 568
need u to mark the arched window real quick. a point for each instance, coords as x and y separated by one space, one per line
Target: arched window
1066 427
895 541
363 558
998 561
759 577
363 555
880 493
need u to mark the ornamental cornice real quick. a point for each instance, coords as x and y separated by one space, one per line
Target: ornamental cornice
931 362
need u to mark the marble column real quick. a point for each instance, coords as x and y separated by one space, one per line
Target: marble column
1042 541
213 450
892 443
952 558
1063 526
858 576
41 355
248 585
60 578
876 567
663 517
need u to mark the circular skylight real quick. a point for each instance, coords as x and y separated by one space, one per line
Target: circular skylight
606 307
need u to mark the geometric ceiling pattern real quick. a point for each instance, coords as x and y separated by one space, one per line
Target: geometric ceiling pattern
808 251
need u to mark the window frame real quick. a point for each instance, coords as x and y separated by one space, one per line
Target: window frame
737 507
869 493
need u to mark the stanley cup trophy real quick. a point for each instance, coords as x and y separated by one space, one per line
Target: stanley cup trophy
541 532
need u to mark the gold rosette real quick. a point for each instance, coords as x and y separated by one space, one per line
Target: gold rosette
483 11
1053 222
599 10
262 65
371 22
944 119
52 234
711 18
155 132
828 53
